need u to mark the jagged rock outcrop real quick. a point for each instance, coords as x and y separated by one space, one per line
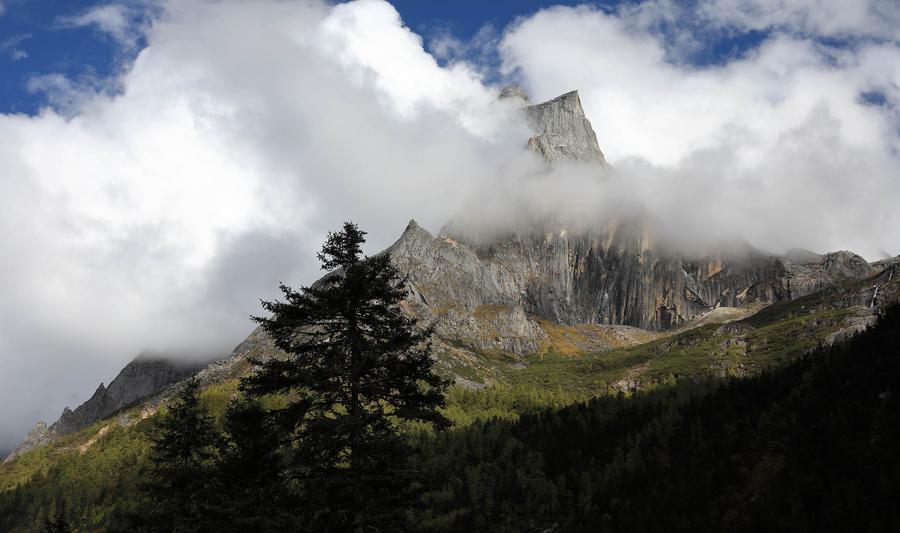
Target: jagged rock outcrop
487 295
466 299
38 436
811 274
141 378
562 131
513 92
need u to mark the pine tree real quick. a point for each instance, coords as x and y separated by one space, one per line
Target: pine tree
58 524
249 491
356 368
183 445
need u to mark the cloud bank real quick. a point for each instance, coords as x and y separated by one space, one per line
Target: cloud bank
155 214
794 143
152 210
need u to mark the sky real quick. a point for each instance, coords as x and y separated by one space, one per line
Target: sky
166 162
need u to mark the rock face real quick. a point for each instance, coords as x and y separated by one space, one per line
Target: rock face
511 91
817 273
467 299
488 296
562 132
37 437
139 379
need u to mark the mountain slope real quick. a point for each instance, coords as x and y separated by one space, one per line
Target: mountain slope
489 297
807 447
97 468
140 379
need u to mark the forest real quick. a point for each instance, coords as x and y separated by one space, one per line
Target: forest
356 432
808 447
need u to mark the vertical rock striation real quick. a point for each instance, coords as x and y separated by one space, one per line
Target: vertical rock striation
562 132
488 295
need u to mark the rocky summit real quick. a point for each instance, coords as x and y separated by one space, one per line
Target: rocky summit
562 132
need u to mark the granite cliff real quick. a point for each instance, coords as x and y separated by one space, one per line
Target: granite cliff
562 131
491 296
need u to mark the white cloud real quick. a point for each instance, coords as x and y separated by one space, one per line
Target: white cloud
124 23
60 92
780 135
829 18
369 39
10 45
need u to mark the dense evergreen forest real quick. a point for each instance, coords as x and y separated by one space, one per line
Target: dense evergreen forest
809 447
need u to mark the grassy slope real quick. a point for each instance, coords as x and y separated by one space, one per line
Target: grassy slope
734 349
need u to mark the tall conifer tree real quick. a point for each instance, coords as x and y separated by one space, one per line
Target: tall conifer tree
249 491
179 481
356 368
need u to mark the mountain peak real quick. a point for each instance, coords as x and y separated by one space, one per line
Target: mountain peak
414 231
562 131
411 226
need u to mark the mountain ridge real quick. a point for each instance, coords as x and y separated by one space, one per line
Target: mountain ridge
138 380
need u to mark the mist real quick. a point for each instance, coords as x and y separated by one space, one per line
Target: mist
153 211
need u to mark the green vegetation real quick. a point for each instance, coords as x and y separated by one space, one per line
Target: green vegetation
176 493
714 350
91 485
724 426
741 453
810 447
356 369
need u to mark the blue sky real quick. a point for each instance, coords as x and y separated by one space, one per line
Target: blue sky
38 37
35 41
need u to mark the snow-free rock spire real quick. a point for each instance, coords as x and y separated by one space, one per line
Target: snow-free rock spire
562 132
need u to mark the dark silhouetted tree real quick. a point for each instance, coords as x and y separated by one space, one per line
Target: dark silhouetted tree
249 490
357 368
179 481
